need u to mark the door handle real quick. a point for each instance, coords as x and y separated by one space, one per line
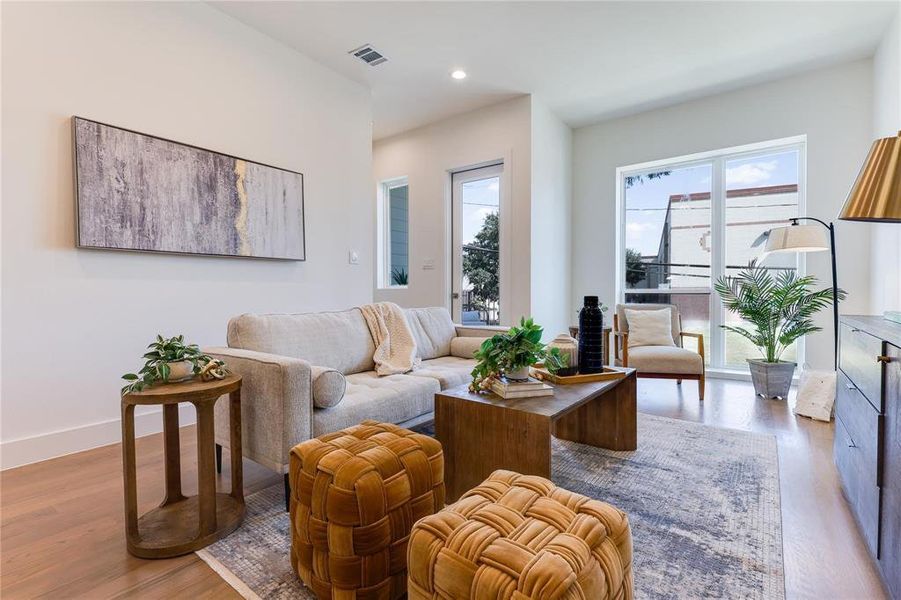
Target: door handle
851 386
884 359
455 295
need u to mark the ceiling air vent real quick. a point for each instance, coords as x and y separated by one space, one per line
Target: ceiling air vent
368 55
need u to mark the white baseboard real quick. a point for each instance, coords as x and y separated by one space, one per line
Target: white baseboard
23 451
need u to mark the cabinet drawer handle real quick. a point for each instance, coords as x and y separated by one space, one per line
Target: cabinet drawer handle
884 359
851 386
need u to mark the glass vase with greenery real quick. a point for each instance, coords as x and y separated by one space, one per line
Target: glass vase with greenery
511 351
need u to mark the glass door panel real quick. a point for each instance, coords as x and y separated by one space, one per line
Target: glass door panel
476 284
761 193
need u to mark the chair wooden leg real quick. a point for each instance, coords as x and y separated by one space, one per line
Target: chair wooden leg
701 388
219 459
287 493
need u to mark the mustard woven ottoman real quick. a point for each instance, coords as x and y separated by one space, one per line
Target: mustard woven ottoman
355 495
516 537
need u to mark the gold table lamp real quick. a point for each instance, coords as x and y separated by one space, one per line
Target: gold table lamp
876 195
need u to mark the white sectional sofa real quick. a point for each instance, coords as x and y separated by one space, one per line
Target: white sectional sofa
289 360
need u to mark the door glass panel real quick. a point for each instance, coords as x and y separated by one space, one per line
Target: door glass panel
480 248
761 193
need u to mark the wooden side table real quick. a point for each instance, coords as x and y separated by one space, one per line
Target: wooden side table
184 524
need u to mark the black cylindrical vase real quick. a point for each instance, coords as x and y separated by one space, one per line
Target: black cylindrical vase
591 337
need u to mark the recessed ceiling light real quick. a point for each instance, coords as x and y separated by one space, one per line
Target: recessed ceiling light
459 74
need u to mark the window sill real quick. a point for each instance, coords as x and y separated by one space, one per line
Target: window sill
393 287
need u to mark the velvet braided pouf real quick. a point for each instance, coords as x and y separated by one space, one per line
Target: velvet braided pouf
517 537
355 495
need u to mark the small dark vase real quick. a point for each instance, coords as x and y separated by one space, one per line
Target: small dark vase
591 337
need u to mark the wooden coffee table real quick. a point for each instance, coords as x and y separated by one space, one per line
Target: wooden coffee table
481 433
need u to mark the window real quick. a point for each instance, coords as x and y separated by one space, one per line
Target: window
685 222
394 233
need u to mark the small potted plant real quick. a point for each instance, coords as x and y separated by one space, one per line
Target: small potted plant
170 360
511 354
779 309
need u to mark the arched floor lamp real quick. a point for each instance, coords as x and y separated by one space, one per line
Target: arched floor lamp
875 197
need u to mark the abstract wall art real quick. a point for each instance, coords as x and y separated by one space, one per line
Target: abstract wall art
140 192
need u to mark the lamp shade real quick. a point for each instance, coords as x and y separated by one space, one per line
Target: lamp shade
797 238
876 195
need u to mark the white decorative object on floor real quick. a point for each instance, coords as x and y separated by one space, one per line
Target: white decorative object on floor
816 394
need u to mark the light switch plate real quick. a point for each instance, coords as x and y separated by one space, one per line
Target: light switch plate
353 257
428 264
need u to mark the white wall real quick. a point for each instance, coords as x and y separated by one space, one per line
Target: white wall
426 156
832 106
75 320
885 243
551 221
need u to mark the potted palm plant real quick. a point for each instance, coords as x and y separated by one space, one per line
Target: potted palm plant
778 310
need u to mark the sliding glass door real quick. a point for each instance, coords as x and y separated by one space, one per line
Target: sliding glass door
686 222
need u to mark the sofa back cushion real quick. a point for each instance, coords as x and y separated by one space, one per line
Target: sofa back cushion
339 340
432 329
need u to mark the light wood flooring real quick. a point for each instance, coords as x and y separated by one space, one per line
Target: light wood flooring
61 527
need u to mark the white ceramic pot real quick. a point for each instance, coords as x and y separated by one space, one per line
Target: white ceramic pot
568 347
520 374
180 370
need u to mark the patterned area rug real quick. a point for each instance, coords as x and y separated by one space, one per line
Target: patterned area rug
703 503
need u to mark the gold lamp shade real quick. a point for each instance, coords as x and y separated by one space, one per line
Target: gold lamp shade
876 195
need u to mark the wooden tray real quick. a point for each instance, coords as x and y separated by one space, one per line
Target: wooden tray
610 373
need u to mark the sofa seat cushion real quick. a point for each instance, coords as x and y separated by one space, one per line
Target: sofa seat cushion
391 399
432 329
449 371
665 359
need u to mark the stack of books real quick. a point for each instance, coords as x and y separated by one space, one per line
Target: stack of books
521 389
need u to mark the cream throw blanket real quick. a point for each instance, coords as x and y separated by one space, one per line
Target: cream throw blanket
395 348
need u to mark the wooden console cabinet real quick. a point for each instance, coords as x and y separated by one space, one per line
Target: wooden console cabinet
867 445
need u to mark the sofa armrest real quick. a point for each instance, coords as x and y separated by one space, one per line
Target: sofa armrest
479 330
276 404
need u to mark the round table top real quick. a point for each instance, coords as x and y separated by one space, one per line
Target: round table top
193 390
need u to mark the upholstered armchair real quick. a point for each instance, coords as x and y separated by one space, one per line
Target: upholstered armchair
665 361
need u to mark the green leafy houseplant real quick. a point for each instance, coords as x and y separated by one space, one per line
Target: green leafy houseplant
779 309
399 276
161 353
514 349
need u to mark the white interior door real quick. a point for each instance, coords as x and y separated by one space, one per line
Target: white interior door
476 269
